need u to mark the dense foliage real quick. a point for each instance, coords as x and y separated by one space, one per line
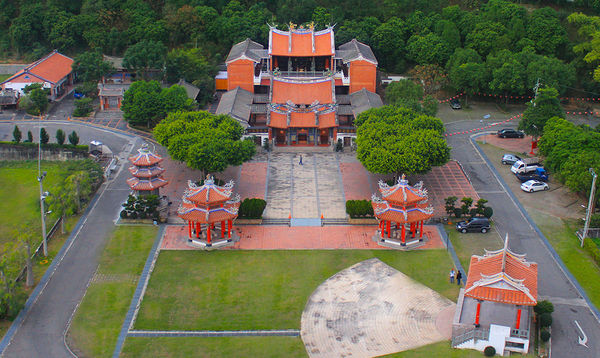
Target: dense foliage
204 141
399 140
545 105
140 207
252 208
359 208
514 44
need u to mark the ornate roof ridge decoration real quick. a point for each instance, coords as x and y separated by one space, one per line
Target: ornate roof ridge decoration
403 185
289 107
487 280
144 154
294 29
303 80
208 185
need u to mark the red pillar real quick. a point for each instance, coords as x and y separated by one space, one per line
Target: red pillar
389 231
382 227
190 229
403 233
477 313
413 229
208 238
421 230
518 324
198 227
222 229
229 224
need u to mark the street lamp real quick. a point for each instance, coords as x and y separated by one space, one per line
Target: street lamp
43 196
589 207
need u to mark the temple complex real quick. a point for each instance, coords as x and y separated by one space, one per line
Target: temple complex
401 205
494 308
299 90
147 174
209 211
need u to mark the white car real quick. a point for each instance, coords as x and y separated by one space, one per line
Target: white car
534 185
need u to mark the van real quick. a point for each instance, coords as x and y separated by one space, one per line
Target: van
526 165
474 224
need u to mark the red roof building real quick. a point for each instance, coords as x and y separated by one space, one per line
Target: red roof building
208 209
401 205
147 174
299 90
53 71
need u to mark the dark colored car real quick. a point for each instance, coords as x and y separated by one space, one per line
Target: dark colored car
474 224
510 133
455 104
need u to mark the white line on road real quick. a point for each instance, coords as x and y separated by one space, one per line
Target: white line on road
581 340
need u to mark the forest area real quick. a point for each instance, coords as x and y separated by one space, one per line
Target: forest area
498 47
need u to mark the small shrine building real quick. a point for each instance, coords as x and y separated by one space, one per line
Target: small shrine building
494 308
401 205
209 211
147 174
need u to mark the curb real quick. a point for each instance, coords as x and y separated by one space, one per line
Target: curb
557 258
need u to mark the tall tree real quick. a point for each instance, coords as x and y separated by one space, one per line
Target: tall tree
546 105
63 202
39 101
144 56
90 66
17 135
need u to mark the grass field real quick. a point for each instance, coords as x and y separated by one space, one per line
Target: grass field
236 290
20 193
99 318
472 243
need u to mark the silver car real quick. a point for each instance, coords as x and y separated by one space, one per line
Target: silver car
510 159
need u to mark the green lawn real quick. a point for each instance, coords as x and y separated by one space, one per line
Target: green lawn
98 321
472 243
236 290
20 193
288 347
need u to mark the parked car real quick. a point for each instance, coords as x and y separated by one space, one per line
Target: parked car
510 133
474 224
455 104
78 95
539 174
510 159
526 165
534 185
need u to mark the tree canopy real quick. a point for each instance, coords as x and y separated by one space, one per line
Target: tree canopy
546 105
204 141
90 66
398 140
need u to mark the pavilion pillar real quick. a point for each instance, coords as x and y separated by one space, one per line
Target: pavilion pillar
382 228
518 323
190 229
198 230
222 229
413 229
229 224
389 229
208 238
477 313
421 230
403 234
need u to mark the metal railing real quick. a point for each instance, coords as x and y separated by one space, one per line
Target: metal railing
37 251
592 232
473 334
301 73
519 333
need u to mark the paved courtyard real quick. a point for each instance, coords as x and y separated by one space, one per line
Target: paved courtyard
272 237
372 309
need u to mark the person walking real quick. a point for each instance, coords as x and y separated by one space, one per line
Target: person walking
301 159
452 274
458 278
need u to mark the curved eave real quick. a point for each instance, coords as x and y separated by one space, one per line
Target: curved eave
141 172
146 185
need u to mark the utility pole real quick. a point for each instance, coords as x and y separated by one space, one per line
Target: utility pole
535 90
589 207
42 194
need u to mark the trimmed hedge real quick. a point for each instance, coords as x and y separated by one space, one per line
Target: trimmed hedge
489 351
82 148
359 208
252 208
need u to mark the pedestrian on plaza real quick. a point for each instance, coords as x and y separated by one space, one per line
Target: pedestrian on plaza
452 274
458 277
301 160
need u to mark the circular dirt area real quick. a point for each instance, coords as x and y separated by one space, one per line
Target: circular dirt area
371 309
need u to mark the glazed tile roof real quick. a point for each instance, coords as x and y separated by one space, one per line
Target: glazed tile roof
236 103
303 42
209 193
302 92
145 185
246 49
355 50
327 120
502 276
146 172
402 193
145 158
190 212
52 68
277 120
363 100
384 211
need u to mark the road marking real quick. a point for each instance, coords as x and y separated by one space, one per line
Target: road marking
491 192
580 302
581 341
475 163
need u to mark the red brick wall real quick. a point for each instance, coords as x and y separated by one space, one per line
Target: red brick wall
362 75
240 73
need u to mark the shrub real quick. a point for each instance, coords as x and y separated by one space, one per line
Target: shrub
467 202
83 107
29 137
17 135
44 137
488 212
89 89
73 138
449 206
123 214
543 306
546 319
252 208
60 137
359 208
458 212
545 335
489 351
480 206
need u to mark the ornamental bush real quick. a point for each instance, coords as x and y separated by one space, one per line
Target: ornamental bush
44 137
252 208
545 335
359 208
489 351
488 212
543 306
546 319
16 135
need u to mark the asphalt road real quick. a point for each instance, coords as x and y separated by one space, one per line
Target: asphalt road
553 282
41 333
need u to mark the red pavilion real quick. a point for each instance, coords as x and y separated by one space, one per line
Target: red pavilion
147 174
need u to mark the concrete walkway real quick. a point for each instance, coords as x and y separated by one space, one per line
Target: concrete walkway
371 309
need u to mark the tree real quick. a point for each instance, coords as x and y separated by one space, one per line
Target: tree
39 100
388 44
60 136
469 77
80 185
428 49
73 138
44 137
204 141
63 202
90 66
546 31
16 135
432 77
192 66
25 235
29 137
487 37
546 105
145 55
83 107
401 91
588 29
399 140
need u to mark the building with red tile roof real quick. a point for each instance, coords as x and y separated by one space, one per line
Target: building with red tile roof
299 90
494 308
208 209
147 174
52 71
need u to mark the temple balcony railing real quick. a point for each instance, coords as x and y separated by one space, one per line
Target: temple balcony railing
345 79
302 75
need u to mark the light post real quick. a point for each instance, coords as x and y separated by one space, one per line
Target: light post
43 195
589 207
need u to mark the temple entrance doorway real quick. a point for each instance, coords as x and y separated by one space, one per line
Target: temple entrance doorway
302 136
280 137
323 136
